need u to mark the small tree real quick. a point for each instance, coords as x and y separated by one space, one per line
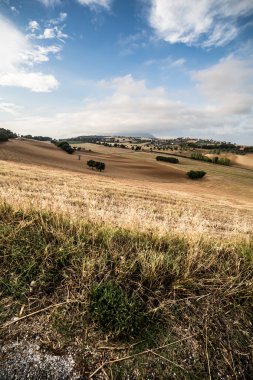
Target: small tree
100 166
91 164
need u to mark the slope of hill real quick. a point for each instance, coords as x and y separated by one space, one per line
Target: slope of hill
117 274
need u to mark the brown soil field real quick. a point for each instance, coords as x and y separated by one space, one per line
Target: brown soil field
140 170
117 165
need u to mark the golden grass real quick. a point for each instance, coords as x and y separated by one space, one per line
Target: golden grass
115 203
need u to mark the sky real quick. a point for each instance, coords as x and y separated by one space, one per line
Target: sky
169 68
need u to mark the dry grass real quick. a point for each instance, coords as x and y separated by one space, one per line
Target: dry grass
111 202
188 259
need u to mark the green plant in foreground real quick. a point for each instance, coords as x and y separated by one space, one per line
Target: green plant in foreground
117 312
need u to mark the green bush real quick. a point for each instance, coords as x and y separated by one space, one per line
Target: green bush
215 160
200 157
173 160
116 312
94 164
195 174
65 146
224 161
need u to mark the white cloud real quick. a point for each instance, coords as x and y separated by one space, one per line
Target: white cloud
93 3
58 20
33 25
18 54
63 16
39 54
52 33
205 22
36 82
228 85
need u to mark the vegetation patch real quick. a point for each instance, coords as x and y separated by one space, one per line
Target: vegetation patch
196 174
97 165
117 312
64 145
172 160
6 134
215 160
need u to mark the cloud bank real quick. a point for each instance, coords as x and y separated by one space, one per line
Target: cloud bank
130 105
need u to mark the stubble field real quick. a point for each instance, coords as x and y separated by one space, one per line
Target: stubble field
184 248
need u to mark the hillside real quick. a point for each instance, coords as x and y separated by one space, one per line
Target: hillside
117 274
222 184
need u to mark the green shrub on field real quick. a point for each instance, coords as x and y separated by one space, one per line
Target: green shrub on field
64 145
173 160
195 174
94 164
215 160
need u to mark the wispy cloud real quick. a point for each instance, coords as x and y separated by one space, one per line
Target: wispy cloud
206 23
50 3
133 42
90 3
9 108
96 3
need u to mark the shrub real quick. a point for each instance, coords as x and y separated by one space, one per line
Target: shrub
173 160
200 157
214 160
91 164
117 312
65 146
224 161
98 165
195 174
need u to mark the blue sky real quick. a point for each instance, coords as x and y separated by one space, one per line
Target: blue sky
170 68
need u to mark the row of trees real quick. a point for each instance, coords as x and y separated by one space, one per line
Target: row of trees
173 160
214 160
96 164
6 134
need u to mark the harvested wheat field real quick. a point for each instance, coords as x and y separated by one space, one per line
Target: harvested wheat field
133 273
224 184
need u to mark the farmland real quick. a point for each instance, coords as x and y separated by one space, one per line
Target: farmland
177 252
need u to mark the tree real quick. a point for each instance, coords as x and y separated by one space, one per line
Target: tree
91 164
100 166
95 164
